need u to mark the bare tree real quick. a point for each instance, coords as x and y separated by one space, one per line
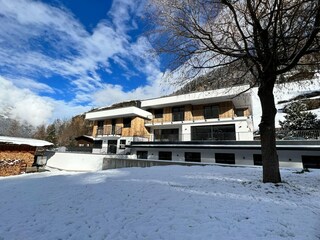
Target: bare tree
268 37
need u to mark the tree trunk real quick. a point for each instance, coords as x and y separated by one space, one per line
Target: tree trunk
270 162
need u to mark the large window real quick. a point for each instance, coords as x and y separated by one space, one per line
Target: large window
192 157
211 112
166 134
127 122
213 132
178 114
226 158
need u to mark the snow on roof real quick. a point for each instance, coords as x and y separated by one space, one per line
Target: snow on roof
24 141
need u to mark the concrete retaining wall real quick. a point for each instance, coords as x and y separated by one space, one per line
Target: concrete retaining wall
113 163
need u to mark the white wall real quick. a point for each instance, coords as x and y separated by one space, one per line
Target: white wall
242 157
76 161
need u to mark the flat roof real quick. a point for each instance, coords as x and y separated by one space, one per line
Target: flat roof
195 97
118 112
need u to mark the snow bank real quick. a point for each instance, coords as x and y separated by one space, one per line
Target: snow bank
172 202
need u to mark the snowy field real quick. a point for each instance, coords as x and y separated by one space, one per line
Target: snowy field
173 202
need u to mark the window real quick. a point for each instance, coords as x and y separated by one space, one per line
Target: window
100 124
211 112
127 122
142 154
192 157
122 144
166 134
100 127
158 113
178 114
226 158
165 155
310 161
257 159
112 146
240 112
213 132
97 144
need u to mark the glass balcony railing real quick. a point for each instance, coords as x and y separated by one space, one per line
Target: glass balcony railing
109 130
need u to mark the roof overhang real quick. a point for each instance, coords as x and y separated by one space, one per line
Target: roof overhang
119 112
24 141
212 96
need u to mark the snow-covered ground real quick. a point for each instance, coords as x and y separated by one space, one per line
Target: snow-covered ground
172 202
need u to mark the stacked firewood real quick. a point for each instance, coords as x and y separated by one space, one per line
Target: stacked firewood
27 157
12 167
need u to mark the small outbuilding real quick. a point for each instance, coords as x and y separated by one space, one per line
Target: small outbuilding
16 154
85 141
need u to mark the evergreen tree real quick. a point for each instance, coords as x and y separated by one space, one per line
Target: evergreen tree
298 118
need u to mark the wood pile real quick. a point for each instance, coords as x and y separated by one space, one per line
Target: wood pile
27 157
11 167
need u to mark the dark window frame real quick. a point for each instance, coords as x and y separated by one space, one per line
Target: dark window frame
213 132
257 159
192 156
178 114
241 111
127 122
165 155
211 111
225 158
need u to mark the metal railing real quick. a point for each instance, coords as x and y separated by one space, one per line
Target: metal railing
109 130
298 134
212 136
195 118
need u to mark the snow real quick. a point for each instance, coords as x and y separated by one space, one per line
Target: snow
25 141
284 92
170 202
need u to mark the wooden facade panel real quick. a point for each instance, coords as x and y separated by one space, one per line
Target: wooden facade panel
138 128
198 112
226 110
167 114
246 112
188 113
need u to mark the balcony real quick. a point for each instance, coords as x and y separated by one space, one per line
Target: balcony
194 119
109 131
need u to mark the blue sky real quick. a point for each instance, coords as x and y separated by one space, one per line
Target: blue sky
59 58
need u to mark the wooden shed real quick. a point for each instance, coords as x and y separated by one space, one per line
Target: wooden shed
18 153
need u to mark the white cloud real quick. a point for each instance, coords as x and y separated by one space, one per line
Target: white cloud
38 41
22 104
32 85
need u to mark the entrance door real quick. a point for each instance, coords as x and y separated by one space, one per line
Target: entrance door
112 146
